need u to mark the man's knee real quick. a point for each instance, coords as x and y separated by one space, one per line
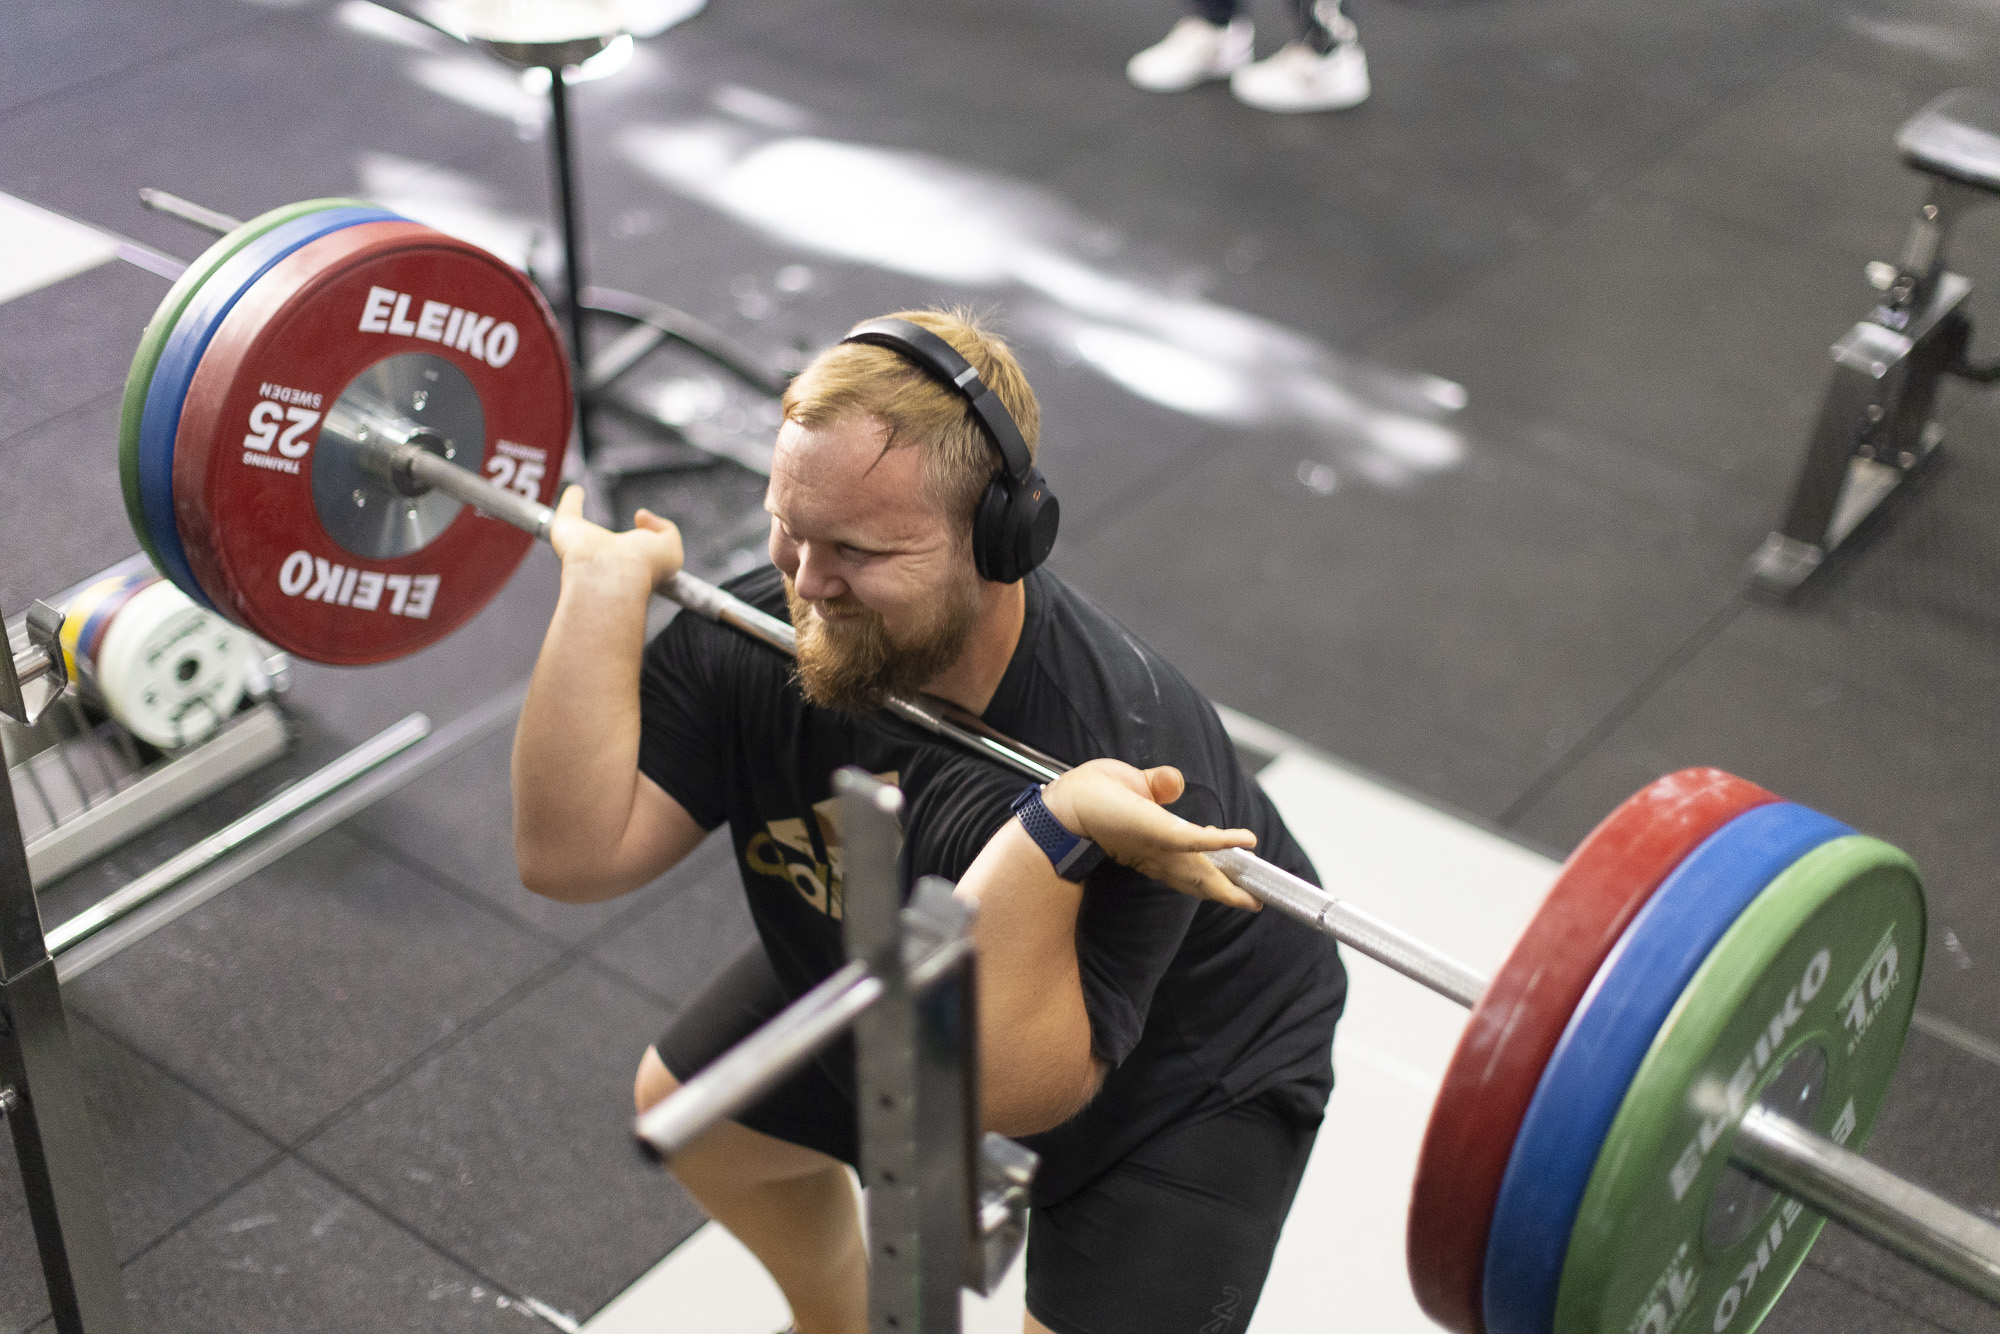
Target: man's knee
653 1082
731 1156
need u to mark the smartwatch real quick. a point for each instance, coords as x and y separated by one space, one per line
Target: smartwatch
1073 857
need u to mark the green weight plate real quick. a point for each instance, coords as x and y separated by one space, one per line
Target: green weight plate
154 340
1802 1005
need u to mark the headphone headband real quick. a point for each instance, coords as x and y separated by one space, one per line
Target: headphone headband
918 344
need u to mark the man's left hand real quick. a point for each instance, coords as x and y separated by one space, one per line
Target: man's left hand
1122 810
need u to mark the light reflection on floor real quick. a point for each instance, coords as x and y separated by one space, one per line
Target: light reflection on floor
777 168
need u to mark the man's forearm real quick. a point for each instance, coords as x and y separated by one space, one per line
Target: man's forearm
576 749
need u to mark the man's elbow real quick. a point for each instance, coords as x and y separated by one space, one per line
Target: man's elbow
1051 1095
552 875
539 876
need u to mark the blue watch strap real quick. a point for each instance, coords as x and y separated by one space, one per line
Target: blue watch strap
1073 857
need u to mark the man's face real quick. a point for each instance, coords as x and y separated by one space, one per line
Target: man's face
881 583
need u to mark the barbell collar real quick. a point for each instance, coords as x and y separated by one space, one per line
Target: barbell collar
1898 1215
416 469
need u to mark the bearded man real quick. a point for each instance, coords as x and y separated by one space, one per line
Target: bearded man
1167 1054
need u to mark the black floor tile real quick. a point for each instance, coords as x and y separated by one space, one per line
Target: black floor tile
67 519
945 74
1376 622
50 48
1821 1301
494 651
166 1153
1801 724
312 747
670 951
513 1150
1703 340
291 1251
71 343
1922 47
1808 156
458 824
1933 1130
1357 242
298 990
289 108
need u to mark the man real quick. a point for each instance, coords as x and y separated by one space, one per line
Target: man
1168 1057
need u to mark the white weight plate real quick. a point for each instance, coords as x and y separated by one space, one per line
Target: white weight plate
169 670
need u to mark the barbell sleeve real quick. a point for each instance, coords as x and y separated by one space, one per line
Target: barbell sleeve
1897 1215
1871 1201
415 469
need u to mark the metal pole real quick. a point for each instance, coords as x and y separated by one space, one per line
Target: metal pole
188 211
308 791
757 1064
560 147
1925 1229
48 1116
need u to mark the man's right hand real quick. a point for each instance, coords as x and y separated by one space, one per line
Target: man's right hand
650 548
587 826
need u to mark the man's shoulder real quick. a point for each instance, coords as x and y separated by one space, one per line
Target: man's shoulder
1135 702
1079 634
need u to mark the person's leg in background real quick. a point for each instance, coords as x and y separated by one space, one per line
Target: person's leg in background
1325 69
1210 43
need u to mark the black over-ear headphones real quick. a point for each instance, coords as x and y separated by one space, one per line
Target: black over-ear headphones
1014 525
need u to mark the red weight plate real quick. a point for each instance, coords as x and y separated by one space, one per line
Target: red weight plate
344 312
1507 1041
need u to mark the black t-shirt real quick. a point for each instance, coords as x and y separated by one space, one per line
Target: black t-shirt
1195 1006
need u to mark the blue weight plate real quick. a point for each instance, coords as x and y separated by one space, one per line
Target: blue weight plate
205 312
1608 1035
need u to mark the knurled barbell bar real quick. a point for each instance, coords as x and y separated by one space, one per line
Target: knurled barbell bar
347 445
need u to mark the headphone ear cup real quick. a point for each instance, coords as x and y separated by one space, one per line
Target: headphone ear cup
1014 527
1035 515
992 548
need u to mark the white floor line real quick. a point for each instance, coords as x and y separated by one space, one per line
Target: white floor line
1339 1264
41 247
1340 1261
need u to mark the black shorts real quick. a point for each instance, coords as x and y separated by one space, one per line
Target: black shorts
1177 1235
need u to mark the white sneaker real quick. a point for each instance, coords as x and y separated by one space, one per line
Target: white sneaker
1194 52
1299 78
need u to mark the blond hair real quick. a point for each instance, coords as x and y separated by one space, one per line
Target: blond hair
959 458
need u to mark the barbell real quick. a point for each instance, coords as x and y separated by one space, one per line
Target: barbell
343 431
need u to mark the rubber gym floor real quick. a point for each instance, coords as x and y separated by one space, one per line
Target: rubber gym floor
1434 433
